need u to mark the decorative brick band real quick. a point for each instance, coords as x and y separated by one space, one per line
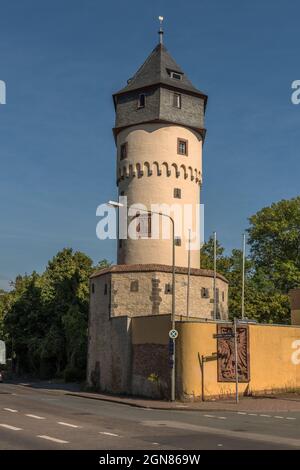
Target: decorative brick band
129 170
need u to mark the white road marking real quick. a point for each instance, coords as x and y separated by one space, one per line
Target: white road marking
109 434
264 438
68 424
155 443
221 417
13 428
220 445
209 416
49 438
35 416
11 410
263 415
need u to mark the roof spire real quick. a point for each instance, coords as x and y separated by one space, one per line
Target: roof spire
161 32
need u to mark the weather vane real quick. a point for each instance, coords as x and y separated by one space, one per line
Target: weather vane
160 32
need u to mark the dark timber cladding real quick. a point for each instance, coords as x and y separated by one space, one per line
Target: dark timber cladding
158 79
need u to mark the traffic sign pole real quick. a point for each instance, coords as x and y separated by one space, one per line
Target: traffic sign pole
236 361
173 334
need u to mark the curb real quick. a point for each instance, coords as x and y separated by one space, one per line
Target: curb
137 405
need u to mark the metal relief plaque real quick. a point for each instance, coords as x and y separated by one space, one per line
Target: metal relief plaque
226 356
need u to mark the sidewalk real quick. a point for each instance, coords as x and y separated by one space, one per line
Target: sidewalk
284 402
271 403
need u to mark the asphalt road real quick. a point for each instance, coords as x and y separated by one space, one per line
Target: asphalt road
39 419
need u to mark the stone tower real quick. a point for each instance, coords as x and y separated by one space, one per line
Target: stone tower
159 133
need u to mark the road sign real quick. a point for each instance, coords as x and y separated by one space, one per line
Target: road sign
173 334
213 357
224 336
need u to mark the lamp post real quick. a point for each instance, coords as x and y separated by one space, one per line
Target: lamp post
215 275
243 277
188 278
173 371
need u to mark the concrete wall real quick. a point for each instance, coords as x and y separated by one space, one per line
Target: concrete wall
273 360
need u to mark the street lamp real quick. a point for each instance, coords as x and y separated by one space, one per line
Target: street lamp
117 205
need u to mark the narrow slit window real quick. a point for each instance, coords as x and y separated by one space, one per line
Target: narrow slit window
177 100
177 241
142 100
204 293
168 289
123 151
134 286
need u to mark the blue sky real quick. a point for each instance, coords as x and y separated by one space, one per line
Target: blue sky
61 61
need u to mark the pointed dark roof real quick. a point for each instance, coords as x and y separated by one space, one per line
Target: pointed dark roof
155 71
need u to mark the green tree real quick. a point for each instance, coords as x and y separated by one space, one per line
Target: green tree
207 257
101 265
263 302
274 239
23 321
45 317
3 302
66 298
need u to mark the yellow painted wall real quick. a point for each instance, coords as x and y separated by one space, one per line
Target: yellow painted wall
274 356
271 365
